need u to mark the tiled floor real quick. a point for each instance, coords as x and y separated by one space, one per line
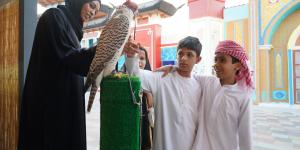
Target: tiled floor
275 127
93 125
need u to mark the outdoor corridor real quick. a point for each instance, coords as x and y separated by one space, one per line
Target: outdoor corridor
275 126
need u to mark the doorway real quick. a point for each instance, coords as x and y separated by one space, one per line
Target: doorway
296 70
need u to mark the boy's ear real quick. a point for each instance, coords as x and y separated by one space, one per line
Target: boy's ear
238 66
198 59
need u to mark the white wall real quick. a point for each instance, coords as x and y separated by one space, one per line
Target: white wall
209 31
232 3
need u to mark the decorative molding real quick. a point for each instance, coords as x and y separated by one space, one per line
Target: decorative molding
277 19
290 77
260 35
265 47
168 53
278 69
279 95
273 1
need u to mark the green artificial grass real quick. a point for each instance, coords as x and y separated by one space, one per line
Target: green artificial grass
120 116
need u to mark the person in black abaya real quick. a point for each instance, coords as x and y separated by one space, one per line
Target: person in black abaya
52 107
147 103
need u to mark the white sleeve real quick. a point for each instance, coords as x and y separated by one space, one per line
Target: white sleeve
148 78
132 65
245 138
205 81
149 81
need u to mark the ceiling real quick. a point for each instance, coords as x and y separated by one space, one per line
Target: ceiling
145 5
49 2
176 3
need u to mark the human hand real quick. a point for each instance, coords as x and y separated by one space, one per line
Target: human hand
151 117
131 49
165 69
149 99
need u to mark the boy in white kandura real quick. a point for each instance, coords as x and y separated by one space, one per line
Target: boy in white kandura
176 98
224 120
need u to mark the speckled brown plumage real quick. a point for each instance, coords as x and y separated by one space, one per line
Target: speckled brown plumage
109 49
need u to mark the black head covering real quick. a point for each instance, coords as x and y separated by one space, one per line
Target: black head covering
147 66
74 8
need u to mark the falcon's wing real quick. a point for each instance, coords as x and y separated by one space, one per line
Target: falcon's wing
112 39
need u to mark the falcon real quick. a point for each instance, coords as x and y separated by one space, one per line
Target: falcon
109 49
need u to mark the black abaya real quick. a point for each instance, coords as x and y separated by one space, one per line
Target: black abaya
52 107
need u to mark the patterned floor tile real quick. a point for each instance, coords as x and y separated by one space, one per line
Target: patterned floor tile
275 127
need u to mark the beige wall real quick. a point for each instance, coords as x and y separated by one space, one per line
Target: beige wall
269 10
238 31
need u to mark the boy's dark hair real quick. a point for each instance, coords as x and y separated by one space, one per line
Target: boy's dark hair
234 60
191 43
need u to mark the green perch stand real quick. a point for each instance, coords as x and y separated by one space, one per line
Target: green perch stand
120 113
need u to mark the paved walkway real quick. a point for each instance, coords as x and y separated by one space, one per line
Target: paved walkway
93 124
275 127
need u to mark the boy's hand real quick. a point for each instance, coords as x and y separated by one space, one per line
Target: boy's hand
131 49
165 69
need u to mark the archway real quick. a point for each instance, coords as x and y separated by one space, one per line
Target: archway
278 18
281 64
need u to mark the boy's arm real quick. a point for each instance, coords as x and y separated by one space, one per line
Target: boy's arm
149 99
244 129
147 77
132 60
132 66
166 69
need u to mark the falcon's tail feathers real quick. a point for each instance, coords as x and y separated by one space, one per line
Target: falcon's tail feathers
92 97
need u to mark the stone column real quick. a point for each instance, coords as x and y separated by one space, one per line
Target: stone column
263 69
253 45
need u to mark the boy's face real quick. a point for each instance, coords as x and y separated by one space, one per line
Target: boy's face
225 69
187 59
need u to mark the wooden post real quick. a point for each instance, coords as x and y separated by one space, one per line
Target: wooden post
9 74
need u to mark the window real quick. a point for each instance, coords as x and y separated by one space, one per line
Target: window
91 42
143 20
